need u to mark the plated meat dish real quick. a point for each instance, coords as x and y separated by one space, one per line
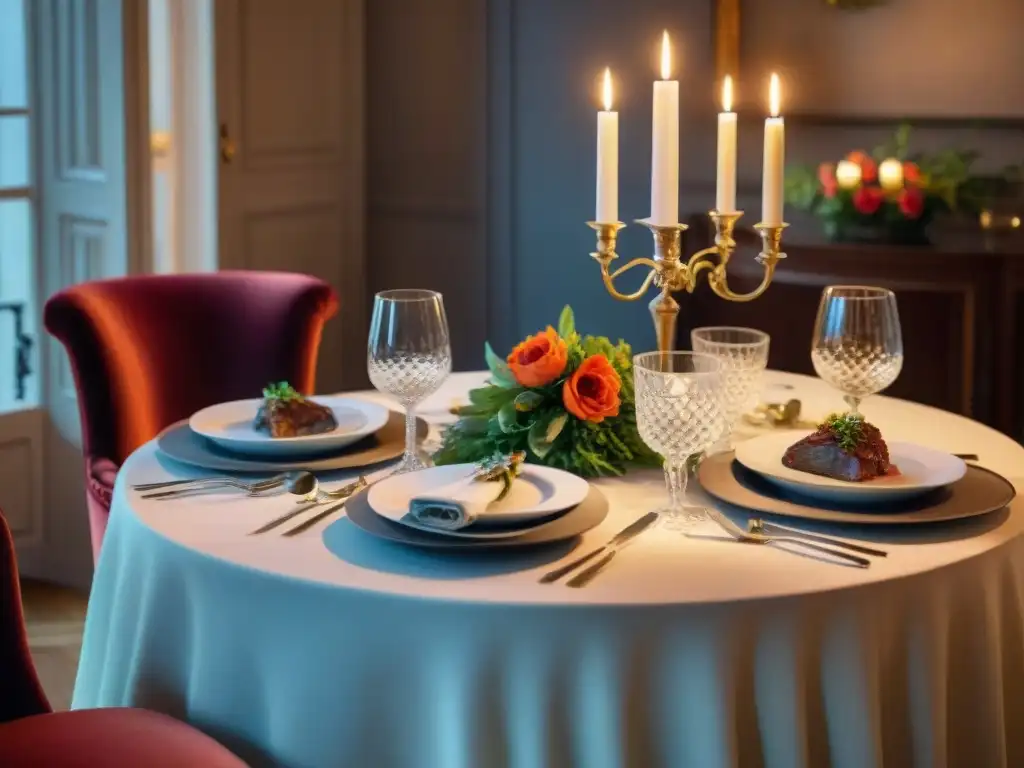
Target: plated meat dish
286 413
844 447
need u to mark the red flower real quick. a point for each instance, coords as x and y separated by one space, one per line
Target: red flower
867 200
830 188
827 174
911 174
868 167
911 202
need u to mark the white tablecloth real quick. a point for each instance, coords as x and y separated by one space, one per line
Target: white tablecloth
334 649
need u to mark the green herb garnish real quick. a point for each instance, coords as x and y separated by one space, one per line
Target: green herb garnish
280 391
847 428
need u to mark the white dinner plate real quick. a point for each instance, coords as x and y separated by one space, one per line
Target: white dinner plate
922 469
578 520
230 426
538 493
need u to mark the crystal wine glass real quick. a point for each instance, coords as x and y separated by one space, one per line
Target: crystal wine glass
744 356
679 413
857 347
409 355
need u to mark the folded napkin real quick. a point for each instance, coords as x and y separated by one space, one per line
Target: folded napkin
456 505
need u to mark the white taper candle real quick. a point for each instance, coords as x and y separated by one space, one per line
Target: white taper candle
665 144
725 197
774 161
607 157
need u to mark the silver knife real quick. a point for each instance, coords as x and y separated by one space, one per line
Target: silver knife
619 539
342 494
284 518
307 524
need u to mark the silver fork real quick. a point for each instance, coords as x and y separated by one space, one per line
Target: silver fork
758 538
253 489
202 481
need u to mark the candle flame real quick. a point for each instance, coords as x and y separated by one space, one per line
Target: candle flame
606 90
773 95
666 57
727 94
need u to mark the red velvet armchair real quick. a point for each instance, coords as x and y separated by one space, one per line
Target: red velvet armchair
32 735
148 351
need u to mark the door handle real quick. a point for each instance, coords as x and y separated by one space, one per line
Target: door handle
227 145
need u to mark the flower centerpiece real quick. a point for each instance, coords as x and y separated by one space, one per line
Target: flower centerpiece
563 399
890 195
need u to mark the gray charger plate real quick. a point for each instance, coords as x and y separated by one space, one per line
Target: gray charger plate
979 492
580 519
180 443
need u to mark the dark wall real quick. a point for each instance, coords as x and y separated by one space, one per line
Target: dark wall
426 131
482 141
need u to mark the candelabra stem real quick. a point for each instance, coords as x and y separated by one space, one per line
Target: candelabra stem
665 313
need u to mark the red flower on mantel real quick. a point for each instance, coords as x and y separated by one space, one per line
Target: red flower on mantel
911 175
827 178
868 167
911 202
867 200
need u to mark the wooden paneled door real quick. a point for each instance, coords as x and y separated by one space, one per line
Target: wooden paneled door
290 102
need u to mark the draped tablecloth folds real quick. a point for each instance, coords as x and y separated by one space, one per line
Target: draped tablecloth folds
335 649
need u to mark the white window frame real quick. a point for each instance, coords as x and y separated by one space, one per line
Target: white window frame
8 396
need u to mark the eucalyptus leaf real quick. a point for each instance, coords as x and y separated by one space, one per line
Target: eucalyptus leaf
555 427
473 410
537 438
501 374
528 400
507 418
472 425
566 322
493 397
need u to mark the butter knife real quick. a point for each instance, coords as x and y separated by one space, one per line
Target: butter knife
627 533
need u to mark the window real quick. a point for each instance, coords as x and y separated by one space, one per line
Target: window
17 215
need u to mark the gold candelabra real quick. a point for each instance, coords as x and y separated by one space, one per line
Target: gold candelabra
671 274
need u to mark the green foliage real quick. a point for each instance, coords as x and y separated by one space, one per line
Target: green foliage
847 428
504 417
282 390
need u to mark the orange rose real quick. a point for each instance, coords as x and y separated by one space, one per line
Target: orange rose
592 392
540 359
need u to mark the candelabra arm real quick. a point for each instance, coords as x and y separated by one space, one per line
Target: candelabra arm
609 279
771 254
699 262
718 280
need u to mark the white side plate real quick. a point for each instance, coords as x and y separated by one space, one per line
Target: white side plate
922 469
230 426
537 493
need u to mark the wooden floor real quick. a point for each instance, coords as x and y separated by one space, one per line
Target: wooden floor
54 617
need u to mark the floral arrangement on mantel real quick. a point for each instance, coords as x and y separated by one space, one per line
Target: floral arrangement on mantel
889 195
566 400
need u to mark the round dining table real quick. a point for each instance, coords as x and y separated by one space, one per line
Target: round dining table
335 648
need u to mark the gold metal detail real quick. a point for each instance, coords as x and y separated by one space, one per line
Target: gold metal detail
671 274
